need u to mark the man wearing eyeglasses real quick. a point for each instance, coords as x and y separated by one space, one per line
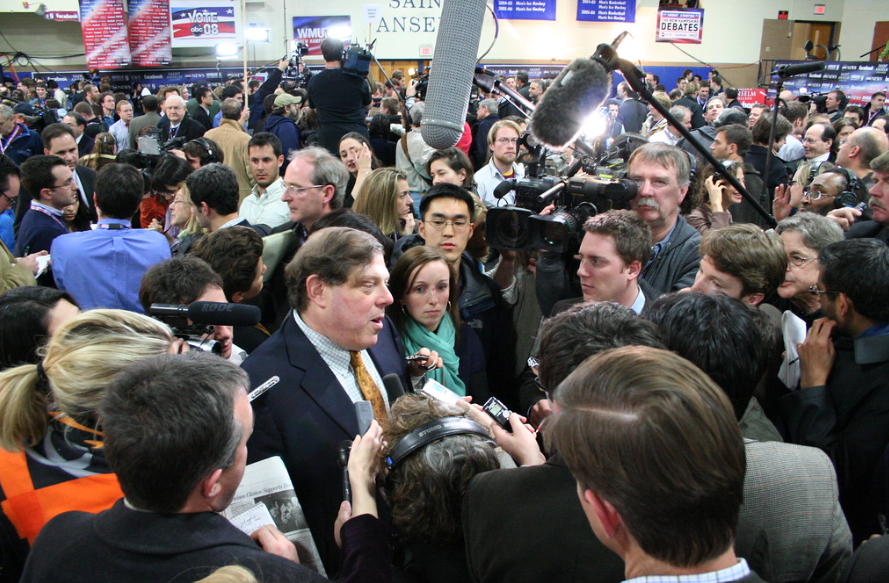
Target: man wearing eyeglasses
819 196
51 183
503 145
818 142
842 406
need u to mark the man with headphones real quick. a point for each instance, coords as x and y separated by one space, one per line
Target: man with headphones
834 188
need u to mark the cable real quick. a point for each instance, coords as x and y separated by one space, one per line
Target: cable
496 34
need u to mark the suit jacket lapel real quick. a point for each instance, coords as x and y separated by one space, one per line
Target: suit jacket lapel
318 382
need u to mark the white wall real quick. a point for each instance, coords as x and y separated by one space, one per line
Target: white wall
732 30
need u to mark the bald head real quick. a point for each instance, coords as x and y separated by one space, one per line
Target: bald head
862 146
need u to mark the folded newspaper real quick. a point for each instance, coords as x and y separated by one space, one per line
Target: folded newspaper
266 497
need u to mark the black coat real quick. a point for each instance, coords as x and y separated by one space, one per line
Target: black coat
189 129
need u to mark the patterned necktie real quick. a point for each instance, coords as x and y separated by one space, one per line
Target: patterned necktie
369 389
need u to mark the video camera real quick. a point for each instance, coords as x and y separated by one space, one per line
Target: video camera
820 100
193 323
296 74
356 60
521 226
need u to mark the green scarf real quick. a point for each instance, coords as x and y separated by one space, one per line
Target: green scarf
441 341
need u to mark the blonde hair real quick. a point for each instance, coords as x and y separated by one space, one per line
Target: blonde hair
377 198
191 226
79 361
230 574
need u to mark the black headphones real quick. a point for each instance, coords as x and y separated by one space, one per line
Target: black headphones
849 195
432 431
212 156
692 167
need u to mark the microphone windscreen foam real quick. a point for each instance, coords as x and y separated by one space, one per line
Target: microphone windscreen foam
575 94
453 68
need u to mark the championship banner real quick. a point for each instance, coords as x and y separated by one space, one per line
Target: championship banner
104 24
525 9
312 30
150 32
680 26
204 23
606 10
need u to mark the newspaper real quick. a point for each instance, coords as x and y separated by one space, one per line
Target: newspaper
266 496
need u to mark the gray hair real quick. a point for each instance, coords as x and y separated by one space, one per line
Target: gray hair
416 113
231 108
331 254
328 170
680 112
729 116
169 422
6 112
666 156
491 104
817 231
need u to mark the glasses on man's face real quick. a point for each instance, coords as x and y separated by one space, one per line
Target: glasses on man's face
812 194
66 184
799 260
811 141
505 141
459 225
813 289
298 189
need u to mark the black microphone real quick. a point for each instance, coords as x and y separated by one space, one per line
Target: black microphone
211 313
393 386
798 69
450 83
342 460
504 188
575 94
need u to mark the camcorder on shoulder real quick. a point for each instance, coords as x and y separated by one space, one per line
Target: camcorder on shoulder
602 187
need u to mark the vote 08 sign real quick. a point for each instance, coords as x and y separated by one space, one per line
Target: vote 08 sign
204 23
680 26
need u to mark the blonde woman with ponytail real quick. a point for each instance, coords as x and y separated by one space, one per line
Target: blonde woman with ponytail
52 459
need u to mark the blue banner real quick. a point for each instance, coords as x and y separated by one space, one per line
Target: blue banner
525 9
606 10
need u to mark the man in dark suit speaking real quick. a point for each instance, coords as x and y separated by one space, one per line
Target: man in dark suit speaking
332 350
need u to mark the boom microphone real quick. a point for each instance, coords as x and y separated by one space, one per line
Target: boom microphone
211 313
450 83
575 94
798 69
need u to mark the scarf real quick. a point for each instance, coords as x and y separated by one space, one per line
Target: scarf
441 341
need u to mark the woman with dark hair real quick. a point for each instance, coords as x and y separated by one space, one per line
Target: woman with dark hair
357 154
426 313
28 317
383 147
844 128
167 178
451 166
713 200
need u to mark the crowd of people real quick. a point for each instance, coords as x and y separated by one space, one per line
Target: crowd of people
695 391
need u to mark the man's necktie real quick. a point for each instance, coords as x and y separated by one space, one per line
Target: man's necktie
369 389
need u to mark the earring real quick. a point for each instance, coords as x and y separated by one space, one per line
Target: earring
449 305
403 311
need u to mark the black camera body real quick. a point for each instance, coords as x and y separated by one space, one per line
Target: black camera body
296 75
356 61
193 334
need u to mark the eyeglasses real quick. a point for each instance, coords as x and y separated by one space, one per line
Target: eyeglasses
166 195
811 194
812 140
813 289
66 184
799 260
505 141
298 189
460 225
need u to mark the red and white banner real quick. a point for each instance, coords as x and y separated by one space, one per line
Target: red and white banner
104 24
150 32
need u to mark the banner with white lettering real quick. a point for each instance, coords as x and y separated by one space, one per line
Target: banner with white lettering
312 30
150 32
104 25
525 9
859 80
204 23
680 26
606 10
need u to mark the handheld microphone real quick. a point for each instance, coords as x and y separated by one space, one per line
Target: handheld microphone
450 83
393 386
575 94
211 313
342 460
504 188
798 69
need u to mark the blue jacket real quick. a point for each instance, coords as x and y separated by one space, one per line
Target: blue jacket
286 131
25 145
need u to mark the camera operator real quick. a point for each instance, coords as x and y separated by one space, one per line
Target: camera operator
182 281
341 99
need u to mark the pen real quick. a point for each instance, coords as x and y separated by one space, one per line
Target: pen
252 395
